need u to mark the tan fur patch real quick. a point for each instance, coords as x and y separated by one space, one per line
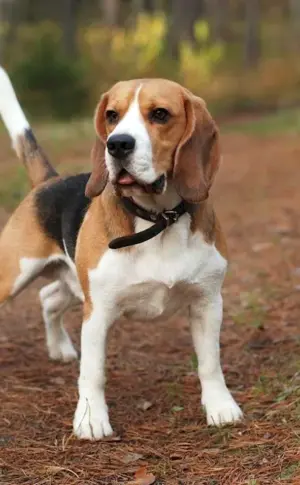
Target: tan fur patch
205 220
38 167
220 240
105 220
22 237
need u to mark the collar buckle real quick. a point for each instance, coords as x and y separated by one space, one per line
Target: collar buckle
170 216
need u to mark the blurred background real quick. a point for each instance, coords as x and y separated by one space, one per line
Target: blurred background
240 55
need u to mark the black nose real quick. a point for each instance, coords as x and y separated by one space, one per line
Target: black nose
120 146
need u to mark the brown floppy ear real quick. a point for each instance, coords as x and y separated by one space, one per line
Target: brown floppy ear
99 176
197 156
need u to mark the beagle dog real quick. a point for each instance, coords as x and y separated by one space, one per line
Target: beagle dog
138 237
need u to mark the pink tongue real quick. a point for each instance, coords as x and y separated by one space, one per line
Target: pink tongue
126 179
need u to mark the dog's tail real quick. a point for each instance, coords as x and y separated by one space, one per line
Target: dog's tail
24 143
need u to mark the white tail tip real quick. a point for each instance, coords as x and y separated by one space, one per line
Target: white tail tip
10 109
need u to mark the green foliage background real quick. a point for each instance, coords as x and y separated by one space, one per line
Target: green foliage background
51 84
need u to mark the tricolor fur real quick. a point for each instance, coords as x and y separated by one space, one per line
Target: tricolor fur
169 136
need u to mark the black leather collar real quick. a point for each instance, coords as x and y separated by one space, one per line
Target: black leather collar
161 221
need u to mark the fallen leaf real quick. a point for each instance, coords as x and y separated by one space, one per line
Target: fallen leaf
60 381
176 409
144 405
131 457
53 470
261 246
142 477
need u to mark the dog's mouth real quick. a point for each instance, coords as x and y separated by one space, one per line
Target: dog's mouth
125 179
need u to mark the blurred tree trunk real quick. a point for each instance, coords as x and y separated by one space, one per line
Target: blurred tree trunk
2 19
182 19
295 21
10 13
110 10
219 11
152 6
69 13
252 32
148 6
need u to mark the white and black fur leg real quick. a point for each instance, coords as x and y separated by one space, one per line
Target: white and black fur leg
55 299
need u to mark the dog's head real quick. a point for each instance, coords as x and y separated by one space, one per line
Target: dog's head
150 132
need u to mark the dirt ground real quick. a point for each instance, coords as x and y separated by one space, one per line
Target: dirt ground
152 386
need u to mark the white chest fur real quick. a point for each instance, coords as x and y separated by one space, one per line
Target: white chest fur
160 277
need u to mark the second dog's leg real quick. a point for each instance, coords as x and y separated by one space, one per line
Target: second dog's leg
56 298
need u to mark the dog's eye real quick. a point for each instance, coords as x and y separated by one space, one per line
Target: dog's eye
111 116
159 115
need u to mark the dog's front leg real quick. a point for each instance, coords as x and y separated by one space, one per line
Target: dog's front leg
206 319
91 419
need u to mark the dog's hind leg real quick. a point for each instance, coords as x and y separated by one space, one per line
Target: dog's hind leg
24 250
56 298
16 273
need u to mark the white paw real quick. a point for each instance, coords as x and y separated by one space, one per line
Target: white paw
221 408
63 351
91 421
